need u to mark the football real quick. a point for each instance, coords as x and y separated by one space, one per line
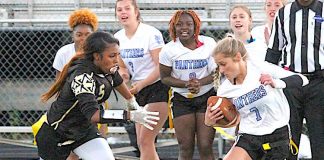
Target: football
230 113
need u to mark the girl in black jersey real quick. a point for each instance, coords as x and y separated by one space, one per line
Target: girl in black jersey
85 82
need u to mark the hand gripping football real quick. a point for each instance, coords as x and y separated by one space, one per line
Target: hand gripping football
231 115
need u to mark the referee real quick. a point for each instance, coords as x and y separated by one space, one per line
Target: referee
297 44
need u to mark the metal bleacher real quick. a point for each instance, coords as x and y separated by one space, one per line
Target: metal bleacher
158 12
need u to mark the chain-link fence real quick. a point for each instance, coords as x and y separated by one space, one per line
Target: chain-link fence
32 31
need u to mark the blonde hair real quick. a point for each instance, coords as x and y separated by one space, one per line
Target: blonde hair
83 16
284 2
229 47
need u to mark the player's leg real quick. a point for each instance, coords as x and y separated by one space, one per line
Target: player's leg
155 101
146 137
185 128
205 134
95 149
205 138
237 153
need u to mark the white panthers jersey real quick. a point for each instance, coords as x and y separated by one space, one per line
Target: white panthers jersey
258 32
187 63
262 108
256 50
136 51
63 56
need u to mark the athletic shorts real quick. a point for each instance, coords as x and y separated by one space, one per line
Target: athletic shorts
47 143
182 105
253 145
156 92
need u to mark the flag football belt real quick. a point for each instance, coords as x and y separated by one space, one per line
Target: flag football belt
292 146
36 126
268 146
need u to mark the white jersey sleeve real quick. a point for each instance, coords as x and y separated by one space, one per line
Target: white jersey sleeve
258 33
256 50
211 62
164 57
277 72
156 39
63 56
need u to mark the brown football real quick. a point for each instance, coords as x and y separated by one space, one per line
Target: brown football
229 111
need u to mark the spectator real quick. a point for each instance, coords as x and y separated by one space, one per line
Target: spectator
187 66
271 7
140 47
240 19
82 23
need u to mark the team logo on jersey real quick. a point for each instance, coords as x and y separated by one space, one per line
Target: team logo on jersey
83 83
190 64
250 97
132 53
158 39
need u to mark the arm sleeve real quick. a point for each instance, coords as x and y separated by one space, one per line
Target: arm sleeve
164 57
211 62
83 87
117 79
276 41
290 78
273 56
58 62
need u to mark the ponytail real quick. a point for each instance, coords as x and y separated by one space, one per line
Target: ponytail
58 84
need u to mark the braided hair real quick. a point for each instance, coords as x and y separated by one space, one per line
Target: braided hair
175 19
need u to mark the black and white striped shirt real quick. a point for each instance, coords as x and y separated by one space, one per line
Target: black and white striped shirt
297 38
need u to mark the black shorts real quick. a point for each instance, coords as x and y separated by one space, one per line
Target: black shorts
156 92
182 105
47 143
253 145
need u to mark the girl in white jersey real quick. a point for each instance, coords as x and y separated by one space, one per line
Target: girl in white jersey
140 45
187 66
82 23
263 32
255 88
240 19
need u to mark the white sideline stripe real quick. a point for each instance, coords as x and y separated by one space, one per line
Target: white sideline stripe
28 129
16 143
130 148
